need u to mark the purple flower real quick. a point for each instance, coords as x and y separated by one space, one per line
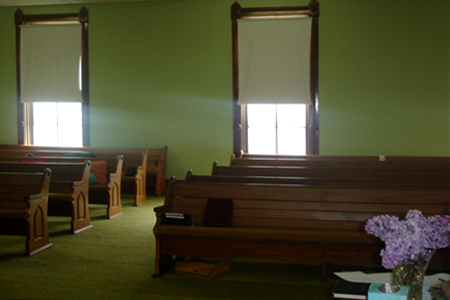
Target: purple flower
411 239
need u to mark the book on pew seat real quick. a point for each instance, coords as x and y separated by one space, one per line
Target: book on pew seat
178 219
350 290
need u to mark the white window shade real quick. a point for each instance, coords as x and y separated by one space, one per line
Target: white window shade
50 63
274 60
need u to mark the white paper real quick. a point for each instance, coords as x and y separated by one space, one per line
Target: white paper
432 280
383 277
359 276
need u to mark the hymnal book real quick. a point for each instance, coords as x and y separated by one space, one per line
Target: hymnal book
177 219
350 290
199 269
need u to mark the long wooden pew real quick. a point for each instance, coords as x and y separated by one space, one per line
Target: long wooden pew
69 189
23 207
441 163
133 168
156 159
388 158
155 168
106 190
368 180
432 177
319 181
293 222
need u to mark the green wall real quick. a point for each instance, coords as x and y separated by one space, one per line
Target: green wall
161 75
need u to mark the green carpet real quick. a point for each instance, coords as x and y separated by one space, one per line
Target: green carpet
115 260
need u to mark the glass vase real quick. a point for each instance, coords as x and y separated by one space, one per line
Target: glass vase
412 275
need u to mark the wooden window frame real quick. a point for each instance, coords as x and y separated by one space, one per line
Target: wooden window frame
24 109
312 114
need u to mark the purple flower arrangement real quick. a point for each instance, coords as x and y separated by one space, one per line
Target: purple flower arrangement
411 239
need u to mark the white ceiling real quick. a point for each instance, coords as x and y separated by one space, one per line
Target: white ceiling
56 2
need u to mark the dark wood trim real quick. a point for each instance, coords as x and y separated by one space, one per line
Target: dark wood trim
312 10
312 132
237 114
49 19
270 12
20 106
81 17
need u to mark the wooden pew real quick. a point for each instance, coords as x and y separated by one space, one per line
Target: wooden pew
438 177
23 207
69 189
155 168
23 151
388 158
319 181
287 222
134 168
107 192
346 164
156 159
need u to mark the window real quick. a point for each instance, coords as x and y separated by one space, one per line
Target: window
276 129
57 124
53 79
275 82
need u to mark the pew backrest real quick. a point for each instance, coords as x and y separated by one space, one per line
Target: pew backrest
155 167
307 181
302 207
65 171
346 164
133 156
428 176
16 187
380 158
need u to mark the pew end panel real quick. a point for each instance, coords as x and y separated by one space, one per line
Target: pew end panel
69 194
74 204
109 193
156 170
134 178
23 208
